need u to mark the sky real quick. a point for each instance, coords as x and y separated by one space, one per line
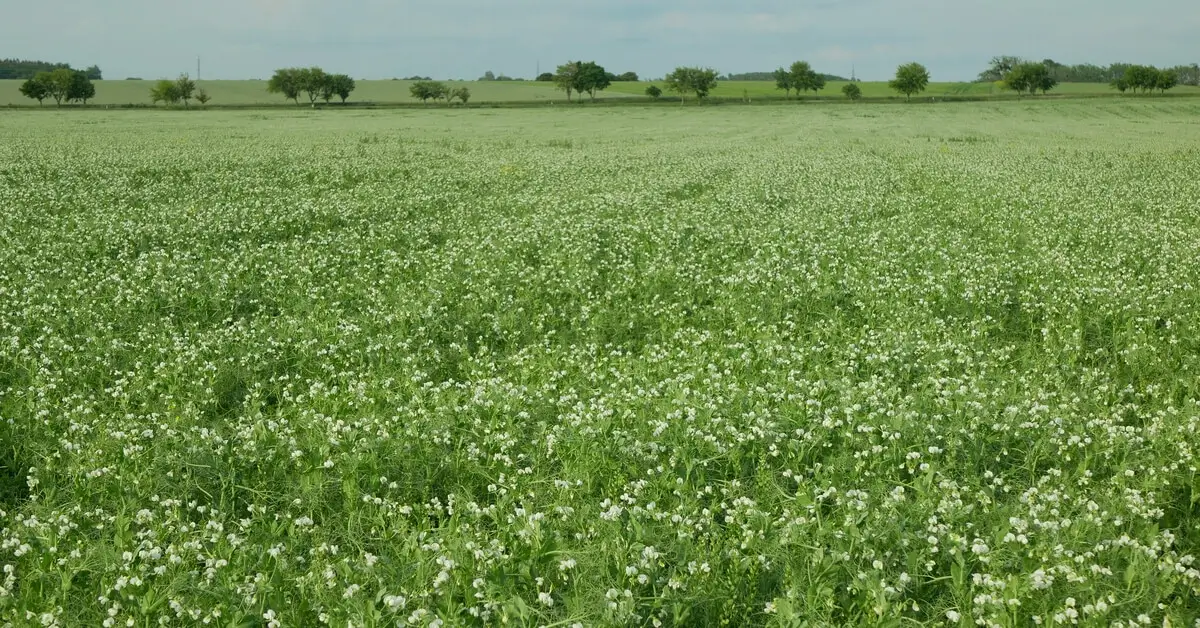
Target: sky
461 39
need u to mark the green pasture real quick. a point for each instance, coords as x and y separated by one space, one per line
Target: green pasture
254 92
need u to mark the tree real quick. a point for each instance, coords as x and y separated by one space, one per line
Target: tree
313 81
852 91
424 90
998 68
911 78
591 78
186 87
94 73
783 80
1119 84
58 83
805 79
567 77
342 85
166 92
488 76
202 97
545 77
698 81
80 88
1030 77
462 94
654 92
37 87
1167 79
1141 77
286 81
628 77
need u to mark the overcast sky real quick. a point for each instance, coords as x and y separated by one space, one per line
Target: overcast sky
462 38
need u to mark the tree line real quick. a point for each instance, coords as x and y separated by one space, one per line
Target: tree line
17 69
61 84
313 82
1083 72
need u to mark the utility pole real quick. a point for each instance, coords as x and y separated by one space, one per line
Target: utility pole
853 79
197 67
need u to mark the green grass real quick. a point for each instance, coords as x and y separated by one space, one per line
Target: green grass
249 93
701 366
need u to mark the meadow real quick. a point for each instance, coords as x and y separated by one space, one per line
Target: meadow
777 366
254 93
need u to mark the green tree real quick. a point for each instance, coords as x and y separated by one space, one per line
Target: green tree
545 77
342 85
566 77
911 78
58 83
1141 77
313 81
628 77
80 88
488 76
186 88
462 94
1167 79
852 91
783 80
1029 77
592 78
654 92
202 97
425 90
998 68
166 92
805 79
37 87
690 80
1119 84
94 73
286 81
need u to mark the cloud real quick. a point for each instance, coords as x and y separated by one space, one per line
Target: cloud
462 38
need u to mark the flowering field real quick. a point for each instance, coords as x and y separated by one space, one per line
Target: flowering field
881 365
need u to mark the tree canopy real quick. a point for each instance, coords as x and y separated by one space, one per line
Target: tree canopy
911 78
691 80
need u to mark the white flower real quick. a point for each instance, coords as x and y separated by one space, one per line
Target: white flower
545 599
953 615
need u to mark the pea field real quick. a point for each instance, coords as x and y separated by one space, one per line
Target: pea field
885 365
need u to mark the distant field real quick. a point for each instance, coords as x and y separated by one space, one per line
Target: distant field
391 92
255 92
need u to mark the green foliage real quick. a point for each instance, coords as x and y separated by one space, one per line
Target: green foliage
1141 77
427 90
852 91
316 83
536 368
627 77
37 88
999 68
81 88
341 85
1030 77
287 81
653 91
462 94
911 78
591 78
166 92
545 77
93 73
691 80
25 69
803 78
202 97
185 87
566 77
1167 79
783 80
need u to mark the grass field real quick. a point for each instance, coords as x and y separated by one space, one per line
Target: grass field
693 366
225 93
